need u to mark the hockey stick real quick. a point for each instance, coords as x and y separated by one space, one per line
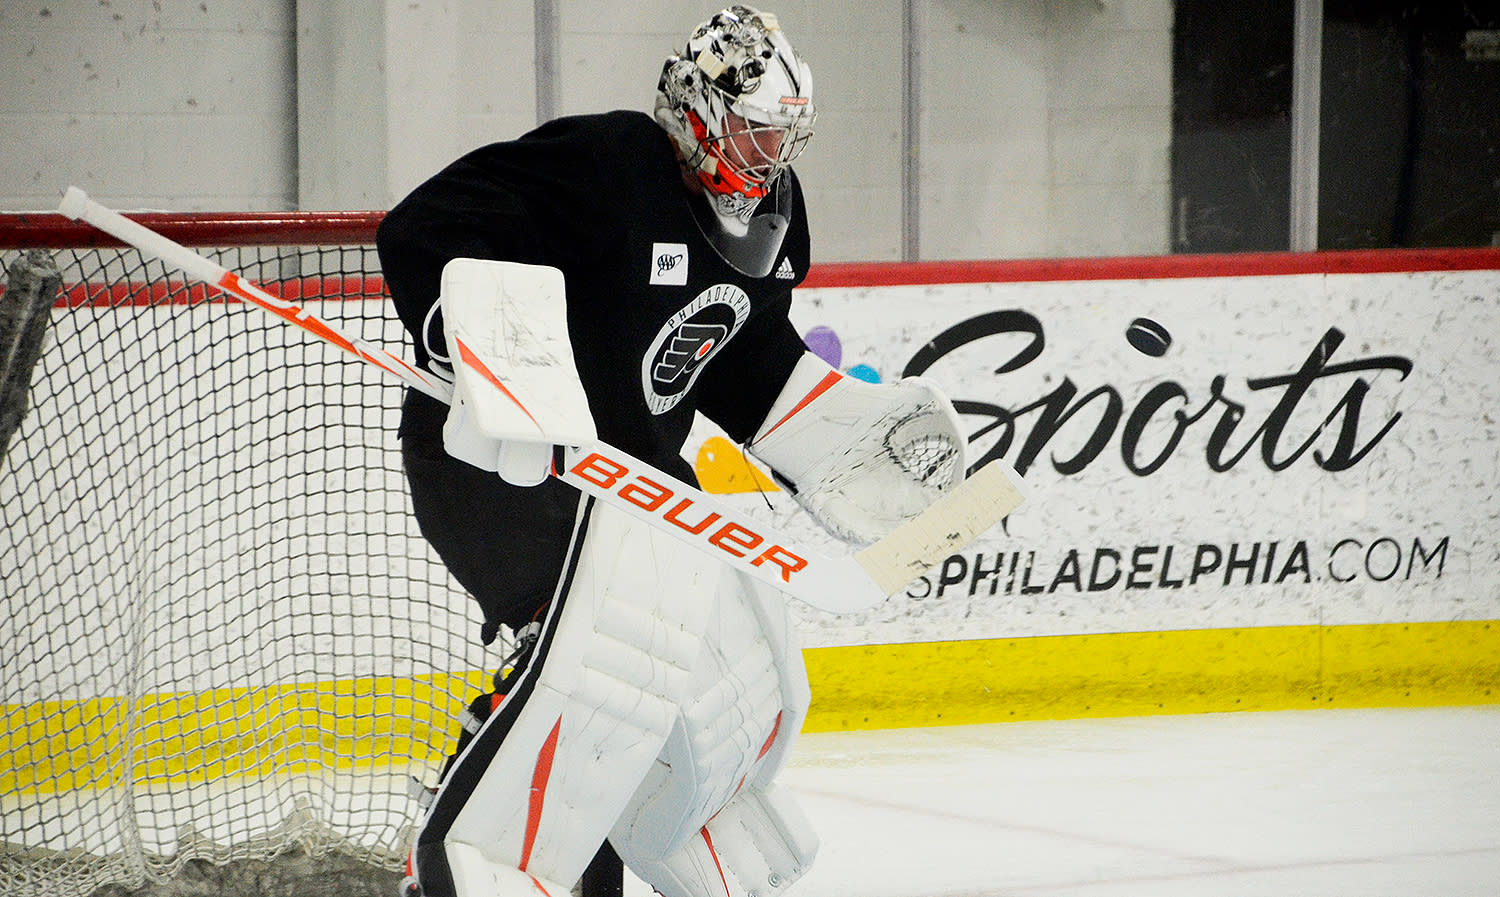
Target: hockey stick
77 205
835 585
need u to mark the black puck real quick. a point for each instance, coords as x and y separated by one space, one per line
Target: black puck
1148 337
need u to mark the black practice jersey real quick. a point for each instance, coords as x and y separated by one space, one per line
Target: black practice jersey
661 326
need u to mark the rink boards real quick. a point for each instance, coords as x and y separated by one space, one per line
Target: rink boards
1258 482
1281 494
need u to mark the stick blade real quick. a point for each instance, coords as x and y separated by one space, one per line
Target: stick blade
952 522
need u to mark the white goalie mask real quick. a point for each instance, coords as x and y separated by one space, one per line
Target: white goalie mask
738 103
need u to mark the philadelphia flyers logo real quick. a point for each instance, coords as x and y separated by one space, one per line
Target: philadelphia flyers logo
686 350
687 341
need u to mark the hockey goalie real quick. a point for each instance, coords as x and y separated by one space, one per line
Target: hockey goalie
622 273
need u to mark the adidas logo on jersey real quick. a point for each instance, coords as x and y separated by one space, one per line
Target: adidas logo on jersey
784 270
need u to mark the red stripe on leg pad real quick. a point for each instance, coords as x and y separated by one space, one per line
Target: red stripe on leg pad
539 777
770 739
707 839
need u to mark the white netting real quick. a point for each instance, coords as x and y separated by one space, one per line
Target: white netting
223 637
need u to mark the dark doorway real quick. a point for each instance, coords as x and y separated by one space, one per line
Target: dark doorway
1410 143
1231 125
1409 150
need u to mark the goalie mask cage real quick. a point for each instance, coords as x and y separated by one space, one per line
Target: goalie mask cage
223 637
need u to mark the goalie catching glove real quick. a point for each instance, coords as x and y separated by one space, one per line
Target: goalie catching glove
861 458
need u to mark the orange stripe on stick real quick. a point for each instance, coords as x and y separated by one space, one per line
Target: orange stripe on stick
235 285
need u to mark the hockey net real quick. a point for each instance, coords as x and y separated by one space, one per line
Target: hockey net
223 639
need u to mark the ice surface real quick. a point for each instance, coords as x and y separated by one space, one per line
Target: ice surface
1337 803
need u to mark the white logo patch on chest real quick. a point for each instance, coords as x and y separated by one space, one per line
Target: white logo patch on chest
687 341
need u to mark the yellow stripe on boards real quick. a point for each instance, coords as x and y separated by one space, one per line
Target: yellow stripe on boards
380 722
196 737
1147 673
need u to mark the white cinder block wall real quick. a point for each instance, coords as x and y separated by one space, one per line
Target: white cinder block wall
1044 124
149 103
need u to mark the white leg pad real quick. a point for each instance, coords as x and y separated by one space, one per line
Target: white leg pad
667 698
603 702
757 846
474 874
711 784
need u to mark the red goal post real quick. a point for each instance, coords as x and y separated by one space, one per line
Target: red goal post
224 637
